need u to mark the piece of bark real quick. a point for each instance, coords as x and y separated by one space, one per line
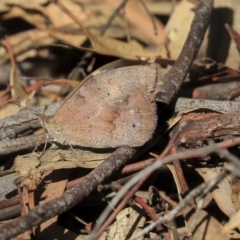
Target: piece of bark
203 126
217 91
8 188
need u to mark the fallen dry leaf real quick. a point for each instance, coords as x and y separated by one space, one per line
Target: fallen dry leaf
128 223
112 47
178 27
221 194
141 23
54 186
25 41
5 5
60 19
207 227
234 222
31 167
38 20
75 40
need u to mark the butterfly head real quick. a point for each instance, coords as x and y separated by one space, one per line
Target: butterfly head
55 132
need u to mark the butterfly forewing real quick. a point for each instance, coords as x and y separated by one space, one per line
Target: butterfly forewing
111 109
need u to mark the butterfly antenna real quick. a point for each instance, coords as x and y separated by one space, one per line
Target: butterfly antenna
73 150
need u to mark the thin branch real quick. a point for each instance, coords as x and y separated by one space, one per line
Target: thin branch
21 143
113 16
173 79
155 29
221 106
26 115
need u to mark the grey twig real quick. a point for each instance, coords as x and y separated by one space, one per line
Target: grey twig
234 164
221 106
113 16
173 79
25 115
70 198
22 143
155 29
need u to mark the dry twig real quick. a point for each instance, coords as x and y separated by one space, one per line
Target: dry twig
173 79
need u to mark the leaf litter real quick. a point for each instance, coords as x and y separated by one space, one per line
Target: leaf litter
48 45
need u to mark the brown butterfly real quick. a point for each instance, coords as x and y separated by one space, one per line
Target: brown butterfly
115 106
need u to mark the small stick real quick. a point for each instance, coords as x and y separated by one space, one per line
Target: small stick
173 79
113 16
155 29
21 143
220 106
